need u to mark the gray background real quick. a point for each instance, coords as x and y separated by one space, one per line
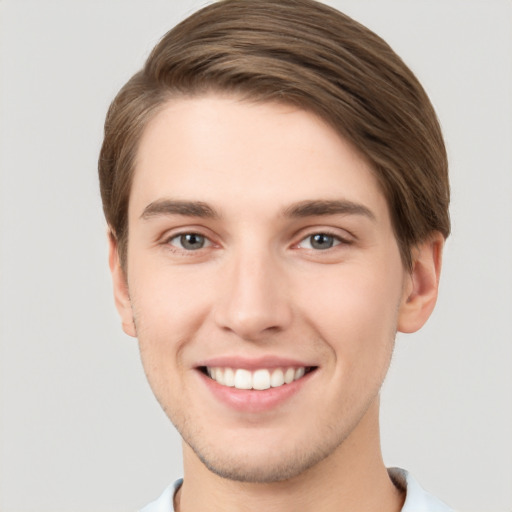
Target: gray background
79 428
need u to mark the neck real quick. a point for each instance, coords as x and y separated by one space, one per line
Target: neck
353 477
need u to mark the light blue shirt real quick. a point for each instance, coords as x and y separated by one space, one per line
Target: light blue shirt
416 500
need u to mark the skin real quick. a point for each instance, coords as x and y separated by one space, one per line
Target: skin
259 288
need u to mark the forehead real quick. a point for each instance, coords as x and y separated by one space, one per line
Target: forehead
235 153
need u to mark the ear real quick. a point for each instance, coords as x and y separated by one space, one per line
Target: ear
422 283
121 295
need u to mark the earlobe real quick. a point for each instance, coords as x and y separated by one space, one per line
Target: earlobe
421 288
121 295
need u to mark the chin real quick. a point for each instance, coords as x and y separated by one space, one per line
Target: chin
274 464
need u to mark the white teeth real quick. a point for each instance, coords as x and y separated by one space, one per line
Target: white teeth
219 375
260 379
288 376
229 377
243 379
299 372
277 378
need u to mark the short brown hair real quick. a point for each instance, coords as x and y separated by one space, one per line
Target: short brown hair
303 53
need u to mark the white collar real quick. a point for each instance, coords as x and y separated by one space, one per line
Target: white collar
417 499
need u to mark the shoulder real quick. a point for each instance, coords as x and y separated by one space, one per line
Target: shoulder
165 503
417 499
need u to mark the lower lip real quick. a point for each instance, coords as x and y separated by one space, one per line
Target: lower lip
252 400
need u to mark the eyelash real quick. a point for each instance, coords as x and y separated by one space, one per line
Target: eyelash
336 239
180 236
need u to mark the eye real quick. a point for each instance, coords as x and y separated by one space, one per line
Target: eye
319 241
189 241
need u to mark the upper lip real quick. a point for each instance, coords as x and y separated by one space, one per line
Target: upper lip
246 363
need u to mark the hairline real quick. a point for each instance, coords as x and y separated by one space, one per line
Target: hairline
166 95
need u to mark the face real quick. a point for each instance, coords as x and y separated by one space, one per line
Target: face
264 283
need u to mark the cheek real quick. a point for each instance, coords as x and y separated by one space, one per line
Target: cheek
166 318
355 311
168 310
166 299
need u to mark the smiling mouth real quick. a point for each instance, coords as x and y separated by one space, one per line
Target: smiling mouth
260 379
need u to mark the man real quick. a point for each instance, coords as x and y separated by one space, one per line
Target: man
275 185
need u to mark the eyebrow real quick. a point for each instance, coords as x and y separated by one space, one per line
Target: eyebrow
163 207
308 208
327 207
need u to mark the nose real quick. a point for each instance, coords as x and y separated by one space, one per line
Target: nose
255 297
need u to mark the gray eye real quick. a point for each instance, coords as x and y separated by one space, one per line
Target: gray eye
322 241
191 241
